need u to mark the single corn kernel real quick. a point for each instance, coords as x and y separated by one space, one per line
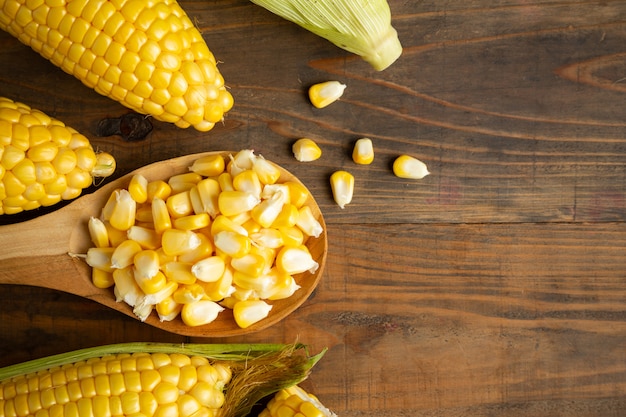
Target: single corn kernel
150 285
138 188
251 264
363 152
308 223
208 166
235 202
306 150
176 242
100 258
126 288
158 189
203 250
225 180
160 215
105 165
221 288
298 194
295 260
192 222
268 238
248 181
123 211
232 244
98 232
146 237
168 309
268 172
201 312
292 236
179 204
183 182
406 166
326 93
147 263
247 313
189 293
102 279
204 197
222 223
342 185
287 216
124 254
179 272
209 269
266 212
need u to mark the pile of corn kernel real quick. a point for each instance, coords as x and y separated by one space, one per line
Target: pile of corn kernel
226 234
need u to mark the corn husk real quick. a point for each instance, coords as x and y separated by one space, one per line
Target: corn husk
362 27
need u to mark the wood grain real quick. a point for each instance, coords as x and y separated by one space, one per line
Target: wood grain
493 287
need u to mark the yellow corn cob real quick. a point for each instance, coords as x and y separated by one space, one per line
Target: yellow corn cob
176 253
42 161
151 379
148 56
295 401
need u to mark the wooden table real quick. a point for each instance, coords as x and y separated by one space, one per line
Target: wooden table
496 286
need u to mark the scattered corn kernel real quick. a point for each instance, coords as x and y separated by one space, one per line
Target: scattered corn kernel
306 150
363 152
406 166
342 185
326 93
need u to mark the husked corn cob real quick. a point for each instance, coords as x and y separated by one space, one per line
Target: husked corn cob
295 401
194 248
147 55
146 379
43 161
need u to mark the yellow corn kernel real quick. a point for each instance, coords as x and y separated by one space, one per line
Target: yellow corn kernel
123 211
247 313
144 215
105 165
209 269
208 395
160 215
308 223
179 272
189 293
208 166
100 258
124 254
158 189
268 238
251 264
101 278
231 243
306 150
266 212
168 310
220 289
295 260
294 401
342 185
192 222
287 217
285 286
232 203
25 172
146 263
248 181
86 158
116 236
406 166
201 312
146 237
126 288
150 284
179 204
98 232
64 160
326 93
292 236
298 194
183 182
267 171
204 197
138 188
363 152
223 223
176 242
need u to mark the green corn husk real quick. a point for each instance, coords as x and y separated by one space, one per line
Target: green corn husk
362 27
258 370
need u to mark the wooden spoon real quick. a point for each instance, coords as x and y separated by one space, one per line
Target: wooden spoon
36 253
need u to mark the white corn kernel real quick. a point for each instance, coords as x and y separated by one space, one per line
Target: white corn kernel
363 152
342 185
406 166
306 150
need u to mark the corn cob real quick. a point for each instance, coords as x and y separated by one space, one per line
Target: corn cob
152 380
203 248
295 402
42 161
147 55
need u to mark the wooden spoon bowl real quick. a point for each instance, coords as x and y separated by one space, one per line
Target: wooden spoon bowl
36 253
